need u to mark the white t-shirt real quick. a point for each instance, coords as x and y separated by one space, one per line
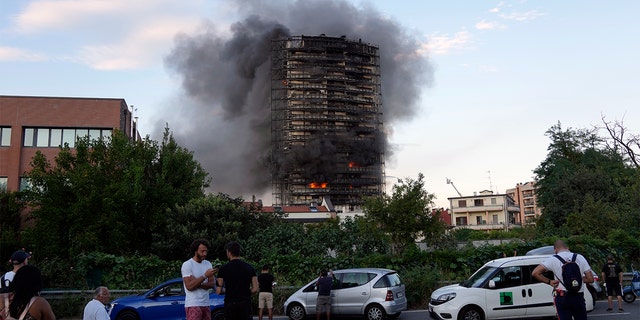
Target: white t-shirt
95 310
198 297
8 278
553 264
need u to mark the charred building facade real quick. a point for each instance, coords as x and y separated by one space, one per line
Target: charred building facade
326 121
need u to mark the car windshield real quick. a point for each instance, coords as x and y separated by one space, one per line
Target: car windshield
478 278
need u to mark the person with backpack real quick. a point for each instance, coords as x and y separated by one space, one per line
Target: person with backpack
570 270
19 259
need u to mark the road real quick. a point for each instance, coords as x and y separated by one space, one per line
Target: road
631 312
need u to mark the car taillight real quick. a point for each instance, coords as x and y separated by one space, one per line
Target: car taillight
389 296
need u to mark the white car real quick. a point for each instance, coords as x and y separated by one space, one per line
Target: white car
501 289
374 293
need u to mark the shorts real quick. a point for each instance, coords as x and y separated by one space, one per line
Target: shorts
614 289
265 298
322 303
198 313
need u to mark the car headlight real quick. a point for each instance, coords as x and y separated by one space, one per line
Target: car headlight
443 298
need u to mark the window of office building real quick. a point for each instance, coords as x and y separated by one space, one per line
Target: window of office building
42 137
69 137
5 136
25 184
57 137
3 183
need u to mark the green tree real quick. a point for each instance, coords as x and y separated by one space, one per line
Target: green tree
109 195
580 179
11 207
406 215
217 218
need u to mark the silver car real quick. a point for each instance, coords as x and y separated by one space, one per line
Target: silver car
374 293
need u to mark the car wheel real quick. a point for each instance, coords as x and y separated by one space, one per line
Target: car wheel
217 314
296 312
374 312
127 315
629 297
471 313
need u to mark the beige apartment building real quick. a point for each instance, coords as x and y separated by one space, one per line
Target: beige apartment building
524 195
485 211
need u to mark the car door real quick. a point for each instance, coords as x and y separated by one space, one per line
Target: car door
506 298
165 303
352 293
309 297
539 295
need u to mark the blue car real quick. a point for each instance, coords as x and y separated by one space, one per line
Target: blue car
164 302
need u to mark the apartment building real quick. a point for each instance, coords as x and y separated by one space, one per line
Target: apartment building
524 195
485 211
29 124
326 112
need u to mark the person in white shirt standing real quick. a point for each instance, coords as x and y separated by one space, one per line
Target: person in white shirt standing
569 304
197 276
19 259
96 308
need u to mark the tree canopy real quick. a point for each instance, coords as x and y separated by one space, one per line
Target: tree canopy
108 195
405 216
584 186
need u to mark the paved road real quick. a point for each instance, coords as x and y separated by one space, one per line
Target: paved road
632 312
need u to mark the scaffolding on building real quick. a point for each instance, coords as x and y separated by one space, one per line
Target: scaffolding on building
326 120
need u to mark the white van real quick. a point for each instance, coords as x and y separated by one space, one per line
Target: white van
501 289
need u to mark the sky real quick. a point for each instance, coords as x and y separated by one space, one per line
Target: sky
487 78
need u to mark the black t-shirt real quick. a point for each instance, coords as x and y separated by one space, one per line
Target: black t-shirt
266 282
611 272
237 276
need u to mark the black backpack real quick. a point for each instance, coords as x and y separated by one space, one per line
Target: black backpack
571 275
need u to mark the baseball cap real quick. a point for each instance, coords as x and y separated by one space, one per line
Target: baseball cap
19 256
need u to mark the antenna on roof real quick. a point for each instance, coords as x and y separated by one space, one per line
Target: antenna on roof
490 184
454 186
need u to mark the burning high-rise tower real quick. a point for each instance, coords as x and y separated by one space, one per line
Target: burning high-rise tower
326 120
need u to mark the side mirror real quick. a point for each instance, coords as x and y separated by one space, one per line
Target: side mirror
492 284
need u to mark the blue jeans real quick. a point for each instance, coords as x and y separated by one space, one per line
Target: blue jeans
571 305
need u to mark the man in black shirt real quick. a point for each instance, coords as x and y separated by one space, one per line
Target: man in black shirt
612 274
240 281
265 297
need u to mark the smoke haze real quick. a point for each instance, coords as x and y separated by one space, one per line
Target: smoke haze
224 117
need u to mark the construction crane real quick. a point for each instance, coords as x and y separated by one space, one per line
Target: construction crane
454 186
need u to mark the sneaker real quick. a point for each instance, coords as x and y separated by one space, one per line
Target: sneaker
609 309
620 310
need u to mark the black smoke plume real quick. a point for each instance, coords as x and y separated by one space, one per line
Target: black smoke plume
224 117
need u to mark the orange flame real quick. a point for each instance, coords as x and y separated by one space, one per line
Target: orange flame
318 185
353 165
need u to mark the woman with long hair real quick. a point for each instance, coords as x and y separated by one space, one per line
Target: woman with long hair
25 300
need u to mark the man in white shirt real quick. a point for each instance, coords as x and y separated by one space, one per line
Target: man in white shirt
197 276
568 304
96 308
18 259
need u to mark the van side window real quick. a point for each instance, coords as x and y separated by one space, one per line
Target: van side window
548 274
508 277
